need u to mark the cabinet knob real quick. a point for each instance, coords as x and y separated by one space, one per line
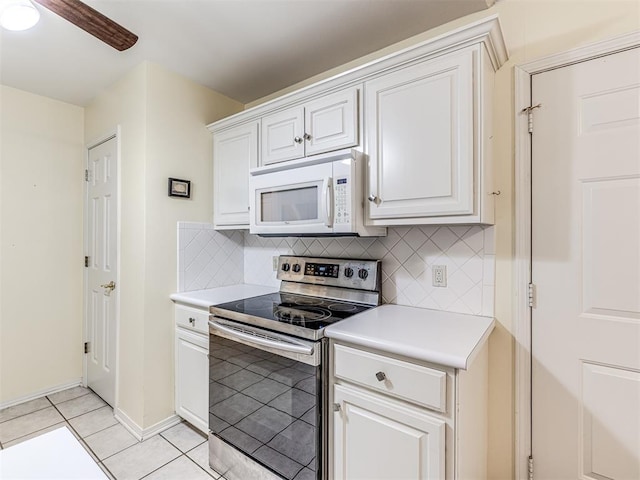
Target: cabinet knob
307 137
192 320
297 139
381 376
336 407
373 198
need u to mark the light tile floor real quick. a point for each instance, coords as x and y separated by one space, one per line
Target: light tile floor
179 452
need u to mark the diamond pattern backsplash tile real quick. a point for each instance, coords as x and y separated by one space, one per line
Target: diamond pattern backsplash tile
408 255
208 258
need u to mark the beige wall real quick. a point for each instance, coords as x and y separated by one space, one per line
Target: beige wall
179 146
41 164
124 104
532 29
162 119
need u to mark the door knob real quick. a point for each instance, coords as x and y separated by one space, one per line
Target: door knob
297 139
307 137
110 286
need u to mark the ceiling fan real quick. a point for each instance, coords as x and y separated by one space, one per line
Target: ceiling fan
74 11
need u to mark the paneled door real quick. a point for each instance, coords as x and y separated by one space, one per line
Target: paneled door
586 270
101 294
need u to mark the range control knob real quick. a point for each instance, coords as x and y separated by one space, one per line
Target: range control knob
348 272
363 274
296 267
285 267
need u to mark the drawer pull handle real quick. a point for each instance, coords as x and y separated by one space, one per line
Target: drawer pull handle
192 321
336 407
381 376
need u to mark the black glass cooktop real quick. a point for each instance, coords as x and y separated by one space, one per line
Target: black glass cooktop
304 312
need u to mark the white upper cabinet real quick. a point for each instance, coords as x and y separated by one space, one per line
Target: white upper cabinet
283 136
322 125
424 129
331 122
235 151
422 115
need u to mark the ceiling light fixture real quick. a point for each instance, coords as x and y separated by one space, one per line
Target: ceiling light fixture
18 15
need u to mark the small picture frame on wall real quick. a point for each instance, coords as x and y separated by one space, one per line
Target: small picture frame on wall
179 188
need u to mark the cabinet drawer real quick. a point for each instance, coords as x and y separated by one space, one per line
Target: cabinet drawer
422 385
192 318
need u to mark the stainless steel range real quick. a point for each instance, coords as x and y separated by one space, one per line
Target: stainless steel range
267 357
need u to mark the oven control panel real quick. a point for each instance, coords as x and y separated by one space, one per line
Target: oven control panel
321 269
337 272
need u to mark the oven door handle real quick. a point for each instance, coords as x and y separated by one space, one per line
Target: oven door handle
289 346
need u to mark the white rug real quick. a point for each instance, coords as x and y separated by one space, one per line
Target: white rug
54 455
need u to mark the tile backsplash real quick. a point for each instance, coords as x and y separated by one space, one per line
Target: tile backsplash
407 254
208 258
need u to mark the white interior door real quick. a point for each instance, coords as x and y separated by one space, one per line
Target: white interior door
102 274
586 269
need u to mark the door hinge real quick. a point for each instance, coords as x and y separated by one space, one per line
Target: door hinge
86 175
532 295
86 347
530 467
529 112
86 261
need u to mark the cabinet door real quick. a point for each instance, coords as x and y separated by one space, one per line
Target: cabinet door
192 378
331 122
283 136
420 139
383 439
235 151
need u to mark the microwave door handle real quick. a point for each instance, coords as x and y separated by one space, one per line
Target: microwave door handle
327 200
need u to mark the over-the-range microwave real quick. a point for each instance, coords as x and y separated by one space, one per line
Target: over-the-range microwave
318 196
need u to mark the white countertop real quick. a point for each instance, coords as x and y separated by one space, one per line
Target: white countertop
445 338
214 296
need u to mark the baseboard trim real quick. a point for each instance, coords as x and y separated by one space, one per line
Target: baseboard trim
41 393
144 433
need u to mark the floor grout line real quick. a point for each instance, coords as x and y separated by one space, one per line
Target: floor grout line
65 422
25 414
161 466
80 437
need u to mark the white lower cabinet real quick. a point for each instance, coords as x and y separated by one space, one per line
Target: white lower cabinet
379 438
192 368
395 418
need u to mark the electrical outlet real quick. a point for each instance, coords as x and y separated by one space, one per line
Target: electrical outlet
274 259
439 275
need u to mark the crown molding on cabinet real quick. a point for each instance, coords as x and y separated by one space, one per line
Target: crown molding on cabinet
486 31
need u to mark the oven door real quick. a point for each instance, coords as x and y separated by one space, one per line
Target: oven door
294 201
265 397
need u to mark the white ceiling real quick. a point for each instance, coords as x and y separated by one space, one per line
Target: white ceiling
245 49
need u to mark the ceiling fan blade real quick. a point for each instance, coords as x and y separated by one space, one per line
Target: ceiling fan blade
92 21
